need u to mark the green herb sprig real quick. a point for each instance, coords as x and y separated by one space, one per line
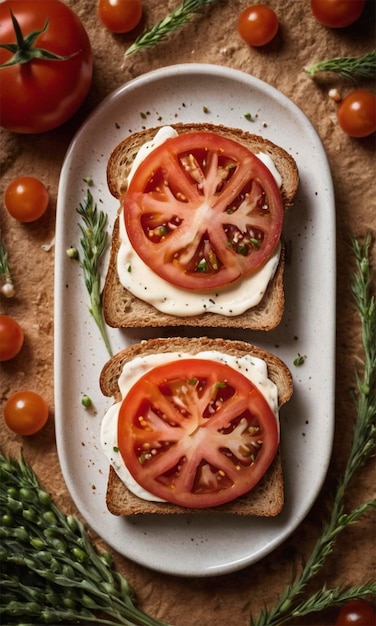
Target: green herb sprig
181 15
347 67
6 282
363 447
93 243
51 573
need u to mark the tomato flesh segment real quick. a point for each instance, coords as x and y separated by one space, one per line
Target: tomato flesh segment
196 433
202 211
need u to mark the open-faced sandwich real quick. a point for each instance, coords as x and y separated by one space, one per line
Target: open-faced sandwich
197 241
194 427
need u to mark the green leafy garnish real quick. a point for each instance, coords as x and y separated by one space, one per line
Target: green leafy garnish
291 604
72 253
93 243
347 67
86 401
299 360
51 573
242 249
6 282
181 15
202 266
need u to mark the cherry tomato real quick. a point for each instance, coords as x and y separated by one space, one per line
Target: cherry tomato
196 433
120 16
40 94
26 198
202 211
258 25
337 13
357 113
11 338
356 613
26 412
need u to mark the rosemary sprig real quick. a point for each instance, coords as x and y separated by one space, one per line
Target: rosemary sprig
181 15
6 283
50 572
363 447
366 305
93 243
326 598
347 67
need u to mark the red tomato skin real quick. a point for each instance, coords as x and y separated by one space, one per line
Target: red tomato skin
356 613
357 113
258 25
25 412
337 13
26 198
41 95
120 16
11 338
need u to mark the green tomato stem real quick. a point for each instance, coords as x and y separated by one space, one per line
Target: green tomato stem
24 50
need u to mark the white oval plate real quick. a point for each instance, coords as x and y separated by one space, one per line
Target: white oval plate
200 545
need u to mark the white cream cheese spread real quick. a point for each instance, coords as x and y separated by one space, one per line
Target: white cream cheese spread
253 368
142 282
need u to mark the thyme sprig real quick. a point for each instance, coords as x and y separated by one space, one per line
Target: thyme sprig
347 67
51 573
181 15
93 243
6 282
363 447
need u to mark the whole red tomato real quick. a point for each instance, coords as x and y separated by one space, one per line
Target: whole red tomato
356 613
11 338
26 198
357 113
26 412
337 13
120 16
258 25
39 94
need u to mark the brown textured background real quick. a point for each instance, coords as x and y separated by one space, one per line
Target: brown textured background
210 38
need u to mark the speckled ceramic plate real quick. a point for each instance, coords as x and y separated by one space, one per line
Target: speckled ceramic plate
200 545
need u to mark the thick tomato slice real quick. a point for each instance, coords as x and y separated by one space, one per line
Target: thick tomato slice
202 211
196 433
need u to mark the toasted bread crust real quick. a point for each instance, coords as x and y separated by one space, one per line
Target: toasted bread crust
267 498
124 310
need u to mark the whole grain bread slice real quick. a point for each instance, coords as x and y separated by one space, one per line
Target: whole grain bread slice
124 310
267 498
